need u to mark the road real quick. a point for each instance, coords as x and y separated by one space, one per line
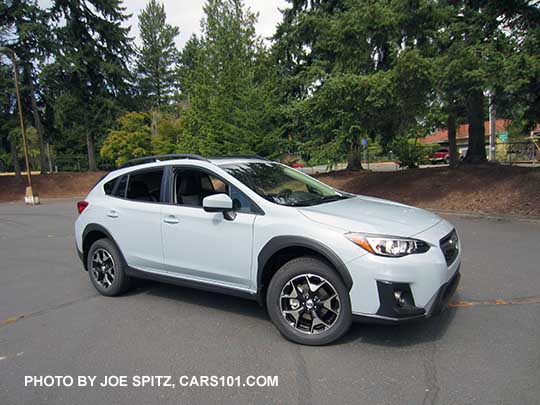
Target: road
52 322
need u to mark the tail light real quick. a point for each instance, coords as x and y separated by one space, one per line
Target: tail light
81 205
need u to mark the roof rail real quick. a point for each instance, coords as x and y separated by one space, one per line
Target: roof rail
158 158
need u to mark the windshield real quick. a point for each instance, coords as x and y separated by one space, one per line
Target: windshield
283 185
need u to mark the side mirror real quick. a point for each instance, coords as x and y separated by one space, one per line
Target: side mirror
219 203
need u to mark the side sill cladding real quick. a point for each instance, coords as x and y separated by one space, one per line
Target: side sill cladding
281 242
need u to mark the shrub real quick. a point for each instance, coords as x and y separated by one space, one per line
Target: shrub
409 153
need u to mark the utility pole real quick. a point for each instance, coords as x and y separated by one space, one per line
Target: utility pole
492 127
30 196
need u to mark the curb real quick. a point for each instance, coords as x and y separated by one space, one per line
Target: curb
485 215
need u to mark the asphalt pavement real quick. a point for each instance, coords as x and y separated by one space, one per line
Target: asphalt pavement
52 322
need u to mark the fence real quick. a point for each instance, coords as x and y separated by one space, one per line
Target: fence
518 152
78 163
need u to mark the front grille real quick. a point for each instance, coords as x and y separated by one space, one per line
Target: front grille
450 247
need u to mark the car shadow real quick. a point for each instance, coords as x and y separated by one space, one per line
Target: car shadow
406 334
217 301
403 335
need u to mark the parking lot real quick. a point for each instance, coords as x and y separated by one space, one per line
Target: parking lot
52 322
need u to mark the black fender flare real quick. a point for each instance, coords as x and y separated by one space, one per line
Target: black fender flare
281 242
100 228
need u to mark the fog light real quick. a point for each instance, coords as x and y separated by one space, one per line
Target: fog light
398 295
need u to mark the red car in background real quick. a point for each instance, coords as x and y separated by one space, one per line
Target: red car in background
442 155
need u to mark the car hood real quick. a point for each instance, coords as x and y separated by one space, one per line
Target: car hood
372 215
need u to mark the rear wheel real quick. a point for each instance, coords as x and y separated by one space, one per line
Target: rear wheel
106 268
308 302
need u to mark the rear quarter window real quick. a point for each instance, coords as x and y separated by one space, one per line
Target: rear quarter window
120 190
116 187
109 186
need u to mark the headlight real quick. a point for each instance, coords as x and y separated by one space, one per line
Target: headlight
388 246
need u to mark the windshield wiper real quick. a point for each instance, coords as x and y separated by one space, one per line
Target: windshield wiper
316 201
333 198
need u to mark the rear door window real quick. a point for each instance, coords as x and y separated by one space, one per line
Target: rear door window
145 185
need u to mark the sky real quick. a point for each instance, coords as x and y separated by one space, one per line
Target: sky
187 14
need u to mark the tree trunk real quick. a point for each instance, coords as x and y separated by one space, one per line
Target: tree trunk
37 118
354 161
15 158
91 152
476 152
49 156
451 125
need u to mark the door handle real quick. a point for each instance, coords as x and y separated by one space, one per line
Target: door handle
171 219
112 214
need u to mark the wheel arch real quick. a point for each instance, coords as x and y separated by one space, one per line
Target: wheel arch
282 249
91 233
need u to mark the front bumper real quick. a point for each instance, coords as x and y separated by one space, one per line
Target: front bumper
421 283
391 313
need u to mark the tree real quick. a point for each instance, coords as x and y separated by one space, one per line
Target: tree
131 139
228 80
167 133
480 43
157 57
521 94
88 79
186 68
28 35
351 69
8 119
142 133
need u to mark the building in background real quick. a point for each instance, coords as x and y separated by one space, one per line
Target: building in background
523 149
462 135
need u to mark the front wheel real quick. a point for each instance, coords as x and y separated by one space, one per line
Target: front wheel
308 302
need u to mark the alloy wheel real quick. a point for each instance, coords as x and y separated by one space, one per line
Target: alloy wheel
103 268
310 303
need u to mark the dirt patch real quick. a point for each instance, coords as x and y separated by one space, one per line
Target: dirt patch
49 186
485 188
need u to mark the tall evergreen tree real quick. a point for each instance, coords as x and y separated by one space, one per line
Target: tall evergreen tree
479 43
25 28
227 75
157 57
351 69
88 79
8 116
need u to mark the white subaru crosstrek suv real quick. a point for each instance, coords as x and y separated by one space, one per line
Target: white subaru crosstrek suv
316 257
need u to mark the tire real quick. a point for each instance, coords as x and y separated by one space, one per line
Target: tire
107 282
294 277
447 160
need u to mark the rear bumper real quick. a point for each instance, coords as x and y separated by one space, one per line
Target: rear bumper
390 313
81 257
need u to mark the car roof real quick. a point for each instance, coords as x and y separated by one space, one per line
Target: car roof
217 161
225 161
